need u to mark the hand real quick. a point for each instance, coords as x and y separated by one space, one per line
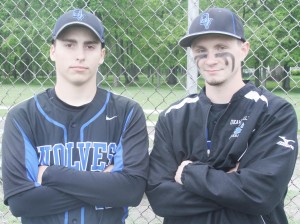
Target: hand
180 169
109 168
234 169
40 173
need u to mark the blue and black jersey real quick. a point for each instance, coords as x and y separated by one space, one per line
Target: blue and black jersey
77 143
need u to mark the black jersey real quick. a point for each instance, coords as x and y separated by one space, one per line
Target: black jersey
77 143
257 129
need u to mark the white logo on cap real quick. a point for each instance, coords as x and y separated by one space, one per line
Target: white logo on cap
78 14
205 20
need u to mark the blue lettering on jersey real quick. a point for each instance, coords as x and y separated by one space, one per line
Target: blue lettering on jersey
84 151
44 154
98 154
100 148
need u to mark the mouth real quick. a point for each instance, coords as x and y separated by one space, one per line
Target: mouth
79 68
212 71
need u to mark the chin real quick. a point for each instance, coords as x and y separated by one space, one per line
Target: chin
214 82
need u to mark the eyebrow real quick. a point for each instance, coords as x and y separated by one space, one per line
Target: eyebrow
199 47
85 42
202 46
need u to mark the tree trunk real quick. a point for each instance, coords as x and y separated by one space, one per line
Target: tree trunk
172 79
256 74
286 82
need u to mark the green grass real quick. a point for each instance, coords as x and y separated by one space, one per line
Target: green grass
146 91
148 95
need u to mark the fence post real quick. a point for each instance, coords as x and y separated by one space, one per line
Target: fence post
192 73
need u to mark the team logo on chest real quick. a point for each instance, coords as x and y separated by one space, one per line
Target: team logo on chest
237 131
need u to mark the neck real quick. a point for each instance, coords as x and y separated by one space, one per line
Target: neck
222 94
76 95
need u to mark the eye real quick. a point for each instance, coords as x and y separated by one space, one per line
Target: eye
69 45
199 50
221 47
91 47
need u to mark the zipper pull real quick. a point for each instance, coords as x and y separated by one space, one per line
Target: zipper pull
208 147
208 152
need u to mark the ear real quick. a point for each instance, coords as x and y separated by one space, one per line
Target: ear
245 49
52 52
102 56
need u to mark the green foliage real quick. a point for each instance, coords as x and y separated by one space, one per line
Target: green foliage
142 36
296 73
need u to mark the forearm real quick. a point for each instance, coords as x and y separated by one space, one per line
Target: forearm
246 190
164 194
96 188
169 196
41 201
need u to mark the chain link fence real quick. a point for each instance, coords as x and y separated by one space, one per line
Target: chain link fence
144 61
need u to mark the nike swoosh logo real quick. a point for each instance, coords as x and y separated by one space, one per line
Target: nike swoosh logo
110 118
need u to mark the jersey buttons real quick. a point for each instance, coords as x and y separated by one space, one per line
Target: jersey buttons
73 125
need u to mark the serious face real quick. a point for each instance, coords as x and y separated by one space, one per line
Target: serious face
219 57
77 54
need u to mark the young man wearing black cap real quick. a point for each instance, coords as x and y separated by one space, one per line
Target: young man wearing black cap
225 155
75 153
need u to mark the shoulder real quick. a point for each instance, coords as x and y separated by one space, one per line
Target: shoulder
275 104
257 94
123 102
182 105
26 106
119 104
23 112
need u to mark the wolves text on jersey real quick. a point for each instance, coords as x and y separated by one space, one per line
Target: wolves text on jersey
63 154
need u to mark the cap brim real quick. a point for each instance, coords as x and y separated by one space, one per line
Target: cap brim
187 40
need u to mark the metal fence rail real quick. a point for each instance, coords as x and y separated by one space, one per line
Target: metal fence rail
144 61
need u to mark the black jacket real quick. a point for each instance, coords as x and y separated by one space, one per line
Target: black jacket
257 129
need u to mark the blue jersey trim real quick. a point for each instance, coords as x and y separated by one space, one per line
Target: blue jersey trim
82 215
125 214
31 160
66 217
93 118
50 119
118 157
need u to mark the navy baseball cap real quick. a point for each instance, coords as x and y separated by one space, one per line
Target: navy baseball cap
214 21
79 17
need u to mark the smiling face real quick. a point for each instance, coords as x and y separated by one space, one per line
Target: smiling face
77 54
219 57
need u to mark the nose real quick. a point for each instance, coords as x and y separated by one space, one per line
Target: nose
80 54
211 58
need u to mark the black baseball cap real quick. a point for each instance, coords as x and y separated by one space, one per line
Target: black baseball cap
79 17
214 21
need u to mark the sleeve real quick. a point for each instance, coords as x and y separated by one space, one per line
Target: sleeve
19 174
265 169
167 197
42 201
125 185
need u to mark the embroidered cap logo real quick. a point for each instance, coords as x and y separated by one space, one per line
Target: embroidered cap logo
78 14
205 20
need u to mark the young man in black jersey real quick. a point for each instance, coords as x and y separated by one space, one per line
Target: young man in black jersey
225 155
75 153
